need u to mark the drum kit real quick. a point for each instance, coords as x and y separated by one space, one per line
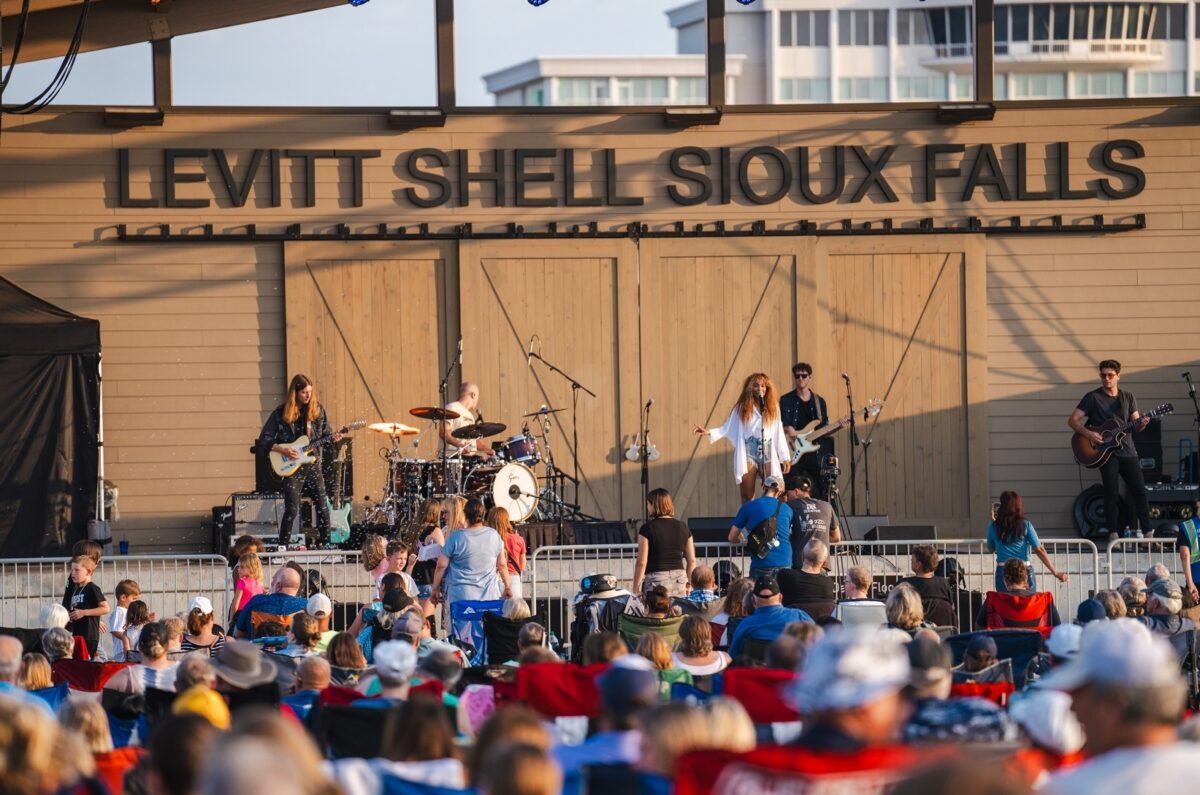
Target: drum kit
501 477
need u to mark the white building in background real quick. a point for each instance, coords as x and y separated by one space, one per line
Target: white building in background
785 51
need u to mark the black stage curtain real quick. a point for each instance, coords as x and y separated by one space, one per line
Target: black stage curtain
50 394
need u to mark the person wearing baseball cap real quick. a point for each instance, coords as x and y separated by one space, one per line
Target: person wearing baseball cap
202 632
769 617
754 513
1128 694
1164 601
1062 645
320 607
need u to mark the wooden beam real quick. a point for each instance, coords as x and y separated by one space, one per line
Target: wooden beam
715 52
447 92
162 73
985 50
115 23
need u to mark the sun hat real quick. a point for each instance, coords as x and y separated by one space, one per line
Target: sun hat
203 701
629 683
241 664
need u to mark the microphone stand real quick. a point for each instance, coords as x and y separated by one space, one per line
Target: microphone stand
854 442
575 387
1195 468
762 415
443 388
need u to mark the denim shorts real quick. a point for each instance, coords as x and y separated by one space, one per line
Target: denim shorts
424 591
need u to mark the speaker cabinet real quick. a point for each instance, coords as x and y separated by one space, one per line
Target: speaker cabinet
260 514
710 529
902 532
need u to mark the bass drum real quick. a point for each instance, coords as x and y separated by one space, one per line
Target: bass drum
512 487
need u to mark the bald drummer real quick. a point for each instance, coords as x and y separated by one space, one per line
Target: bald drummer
465 406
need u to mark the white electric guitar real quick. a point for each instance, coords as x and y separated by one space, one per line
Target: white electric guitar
805 441
286 467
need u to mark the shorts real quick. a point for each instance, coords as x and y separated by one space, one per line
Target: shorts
674 580
424 591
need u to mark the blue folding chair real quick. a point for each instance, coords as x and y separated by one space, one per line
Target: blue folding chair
466 624
53 695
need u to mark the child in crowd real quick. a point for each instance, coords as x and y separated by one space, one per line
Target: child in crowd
126 592
375 558
247 583
85 602
397 563
137 615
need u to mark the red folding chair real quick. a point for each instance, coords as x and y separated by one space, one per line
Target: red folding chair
759 690
560 689
996 692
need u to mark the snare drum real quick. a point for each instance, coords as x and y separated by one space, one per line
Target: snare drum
512 487
522 448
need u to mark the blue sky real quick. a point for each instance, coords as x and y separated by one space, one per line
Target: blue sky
381 53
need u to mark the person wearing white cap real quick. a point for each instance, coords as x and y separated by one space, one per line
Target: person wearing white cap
1055 736
395 663
320 607
849 691
1129 695
202 633
1062 645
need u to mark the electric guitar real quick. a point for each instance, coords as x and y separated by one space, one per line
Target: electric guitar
1092 455
339 518
803 444
286 467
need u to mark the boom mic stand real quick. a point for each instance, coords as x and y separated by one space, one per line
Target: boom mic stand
575 387
1195 469
443 388
854 442
645 456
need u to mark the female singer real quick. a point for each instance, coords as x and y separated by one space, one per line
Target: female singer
756 433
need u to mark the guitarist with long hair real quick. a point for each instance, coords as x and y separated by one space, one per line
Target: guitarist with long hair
299 415
1097 407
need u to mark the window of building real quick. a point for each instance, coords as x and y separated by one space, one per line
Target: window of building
1100 84
535 96
690 91
964 86
950 29
804 89
1019 26
865 27
1000 86
1162 84
862 89
912 26
1082 21
93 80
1061 14
1047 85
642 91
1041 22
804 29
922 87
583 91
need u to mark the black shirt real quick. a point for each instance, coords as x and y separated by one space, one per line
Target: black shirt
937 599
276 431
668 540
84 597
1100 407
797 413
813 593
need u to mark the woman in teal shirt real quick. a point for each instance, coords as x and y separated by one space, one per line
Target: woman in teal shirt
1010 535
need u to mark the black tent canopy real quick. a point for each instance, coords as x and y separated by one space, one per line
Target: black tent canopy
49 424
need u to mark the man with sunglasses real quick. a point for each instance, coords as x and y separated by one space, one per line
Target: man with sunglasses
1096 408
797 409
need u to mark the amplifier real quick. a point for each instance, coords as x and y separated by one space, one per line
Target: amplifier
259 515
1171 503
901 532
710 529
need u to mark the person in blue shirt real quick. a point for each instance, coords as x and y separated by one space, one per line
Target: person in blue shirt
769 616
312 676
1011 536
752 513
282 601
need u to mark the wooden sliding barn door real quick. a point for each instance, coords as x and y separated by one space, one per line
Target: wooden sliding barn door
371 324
579 299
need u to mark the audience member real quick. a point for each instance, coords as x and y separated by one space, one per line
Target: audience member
694 652
247 582
312 677
125 594
240 670
937 718
395 664
666 552
264 747
10 672
379 628
702 600
602 647
809 588
1133 591
1054 734
88 720
194 669
85 602
281 601
960 776
473 565
445 666
515 723
756 511
811 517
30 748
938 595
35 672
857 608
655 648
1014 608
154 671
303 637
1062 645
346 659
737 605
904 609
785 653
519 769
1091 610
175 629
137 615
320 607
202 632
516 609
57 644
730 726
55 615
535 655
1114 605
668 732
204 701
179 749
1164 602
531 635
769 617
1129 696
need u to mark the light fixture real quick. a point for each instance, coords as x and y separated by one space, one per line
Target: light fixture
357 2
133 117
691 115
536 3
745 2
406 119
959 112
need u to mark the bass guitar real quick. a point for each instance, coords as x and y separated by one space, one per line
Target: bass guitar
1092 455
804 443
286 467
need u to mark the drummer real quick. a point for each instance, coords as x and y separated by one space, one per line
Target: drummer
468 401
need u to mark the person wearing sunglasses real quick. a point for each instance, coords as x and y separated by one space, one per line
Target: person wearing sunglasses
797 409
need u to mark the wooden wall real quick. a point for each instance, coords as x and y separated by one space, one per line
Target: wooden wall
194 335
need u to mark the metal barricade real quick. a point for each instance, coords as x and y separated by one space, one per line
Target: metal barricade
167 583
1132 557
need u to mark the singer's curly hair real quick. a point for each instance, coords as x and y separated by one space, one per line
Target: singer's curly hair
745 404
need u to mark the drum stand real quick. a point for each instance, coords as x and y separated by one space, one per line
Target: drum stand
551 505
391 510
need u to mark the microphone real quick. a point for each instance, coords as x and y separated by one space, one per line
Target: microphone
649 403
846 377
529 353
1187 376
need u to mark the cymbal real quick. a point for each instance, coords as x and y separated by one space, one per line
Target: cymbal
479 430
434 413
541 411
393 429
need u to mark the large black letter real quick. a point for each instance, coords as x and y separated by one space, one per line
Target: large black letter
1138 176
874 173
932 172
569 184
697 177
466 176
611 192
839 176
1064 175
521 177
171 177
123 183
986 156
434 180
1023 193
238 193
785 178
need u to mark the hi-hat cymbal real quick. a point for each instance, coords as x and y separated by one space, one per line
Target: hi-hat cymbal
393 429
434 413
541 411
479 430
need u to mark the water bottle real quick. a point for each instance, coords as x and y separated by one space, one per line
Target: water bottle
123 546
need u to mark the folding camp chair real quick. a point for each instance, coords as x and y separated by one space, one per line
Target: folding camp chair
500 637
632 628
87 677
560 689
53 696
1013 611
466 620
759 690
1018 645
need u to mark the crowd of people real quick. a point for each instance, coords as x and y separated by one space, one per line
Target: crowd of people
699 681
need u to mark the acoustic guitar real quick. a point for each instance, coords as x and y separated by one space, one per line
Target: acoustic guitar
286 467
1092 455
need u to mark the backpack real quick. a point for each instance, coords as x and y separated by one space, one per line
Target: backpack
765 535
